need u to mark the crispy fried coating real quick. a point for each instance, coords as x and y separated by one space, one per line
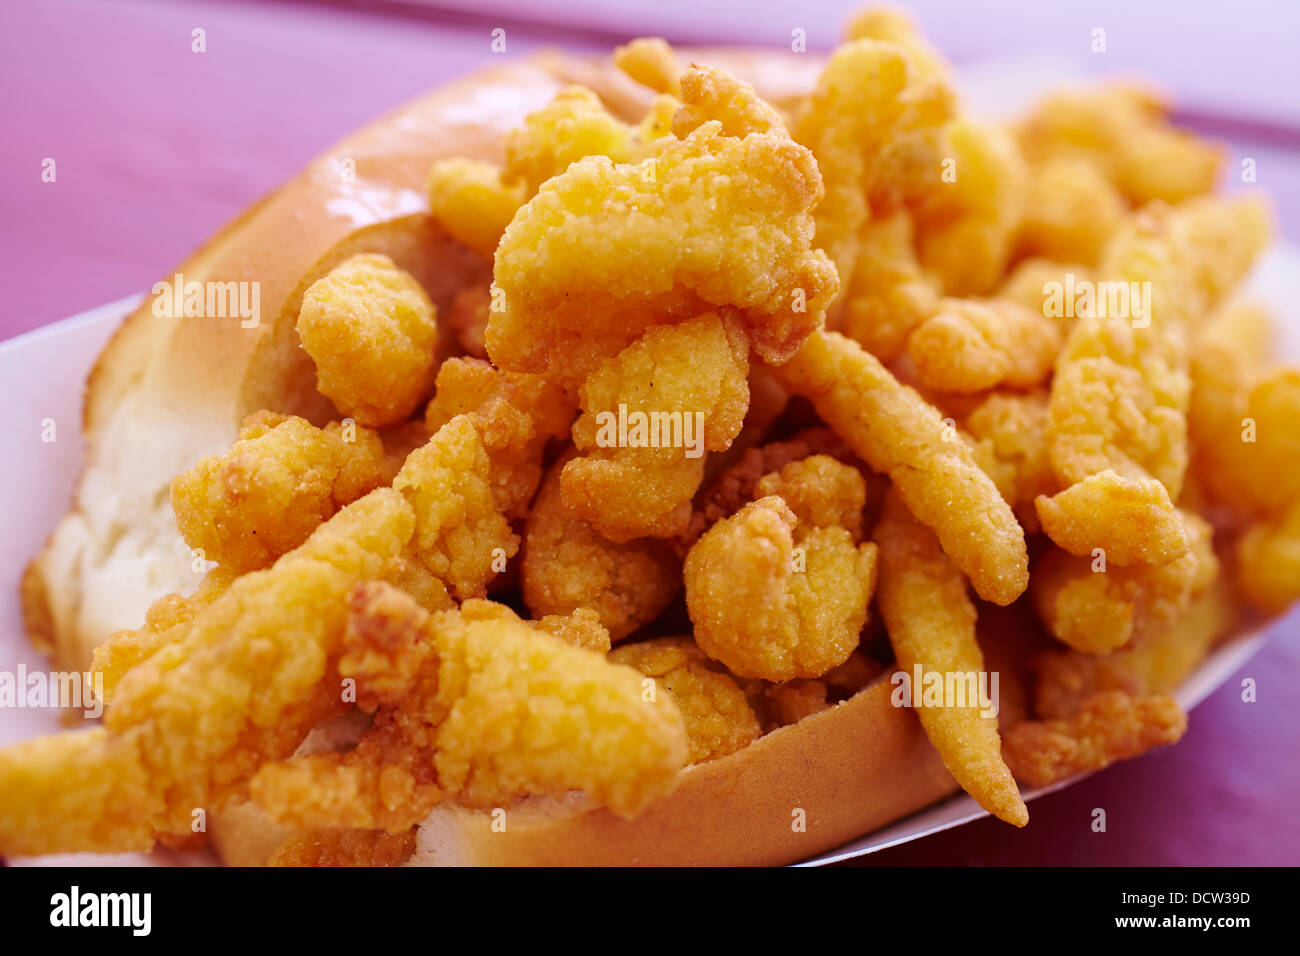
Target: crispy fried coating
966 230
468 318
166 620
710 219
280 479
1118 402
345 848
1156 664
475 200
1094 607
763 609
1134 520
1268 562
892 429
651 62
717 714
568 565
83 791
895 26
472 202
1109 726
530 714
715 95
190 724
682 390
516 414
1219 238
780 705
887 295
1071 210
794 700
460 531
1120 393
931 624
735 485
387 781
1123 132
373 334
573 125
1243 425
874 121
1120 396
496 709
581 628
971 345
1007 431
1032 282
768 400
821 492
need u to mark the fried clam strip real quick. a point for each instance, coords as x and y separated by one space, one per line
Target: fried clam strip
1040 285
895 26
567 564
1134 516
166 621
475 200
775 597
497 709
716 711
461 534
887 295
1007 432
1071 211
1120 395
972 345
1243 421
779 705
1094 607
1268 562
734 486
1246 449
275 485
720 214
931 625
388 780
373 334
966 230
516 414
190 724
651 62
1157 664
891 428
1109 726
1123 132
649 416
875 123
821 492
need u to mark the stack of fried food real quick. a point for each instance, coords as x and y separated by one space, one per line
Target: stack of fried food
857 300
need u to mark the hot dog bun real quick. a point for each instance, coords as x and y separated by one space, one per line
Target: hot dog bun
167 391
793 793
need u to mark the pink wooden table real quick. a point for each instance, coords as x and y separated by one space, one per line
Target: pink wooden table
156 146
